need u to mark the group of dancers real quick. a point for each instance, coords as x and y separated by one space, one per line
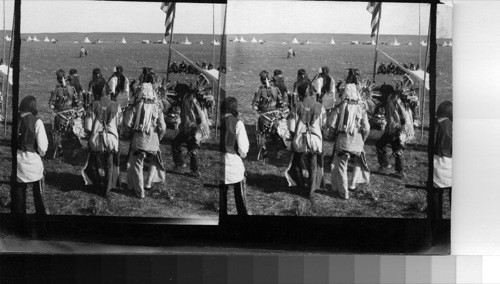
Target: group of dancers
313 118
117 111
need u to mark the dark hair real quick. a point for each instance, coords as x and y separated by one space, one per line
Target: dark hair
148 78
28 104
277 72
230 105
263 75
301 73
73 71
120 86
95 73
60 74
445 109
325 70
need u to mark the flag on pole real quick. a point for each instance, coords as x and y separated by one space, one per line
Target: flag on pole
374 9
168 8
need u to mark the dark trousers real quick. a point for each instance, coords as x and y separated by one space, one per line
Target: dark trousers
18 198
314 168
397 151
110 163
192 147
240 198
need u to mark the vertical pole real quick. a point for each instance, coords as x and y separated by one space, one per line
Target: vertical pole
4 92
8 63
16 39
425 77
222 62
376 44
419 37
431 210
170 43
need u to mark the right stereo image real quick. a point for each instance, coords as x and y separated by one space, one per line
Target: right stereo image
332 109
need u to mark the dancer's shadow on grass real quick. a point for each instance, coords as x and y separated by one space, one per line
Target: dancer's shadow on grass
269 183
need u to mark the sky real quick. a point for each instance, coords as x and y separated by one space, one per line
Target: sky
331 17
103 16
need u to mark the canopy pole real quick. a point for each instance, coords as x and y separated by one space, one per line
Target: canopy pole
8 63
376 44
221 63
4 92
170 44
425 77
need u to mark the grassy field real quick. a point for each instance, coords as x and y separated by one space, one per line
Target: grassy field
386 196
65 193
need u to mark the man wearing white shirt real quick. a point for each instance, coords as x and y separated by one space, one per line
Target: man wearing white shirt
31 146
235 147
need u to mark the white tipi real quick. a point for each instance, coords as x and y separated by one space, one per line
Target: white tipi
261 41
123 40
395 43
253 40
86 40
373 42
99 40
164 41
46 39
450 44
410 43
444 43
8 38
295 40
423 43
29 38
215 42
242 39
201 42
186 42
35 39
332 41
236 39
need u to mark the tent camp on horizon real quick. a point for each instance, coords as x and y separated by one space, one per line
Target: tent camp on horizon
163 41
242 39
253 40
410 43
261 41
99 40
35 39
146 41
236 39
46 39
201 42
395 43
123 40
215 42
332 41
295 40
8 38
444 44
450 44
86 40
423 43
29 38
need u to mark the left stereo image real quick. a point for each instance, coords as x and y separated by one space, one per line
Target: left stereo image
118 109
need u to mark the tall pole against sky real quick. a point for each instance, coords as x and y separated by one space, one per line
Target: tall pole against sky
4 104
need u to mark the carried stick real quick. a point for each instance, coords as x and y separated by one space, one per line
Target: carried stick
170 44
376 44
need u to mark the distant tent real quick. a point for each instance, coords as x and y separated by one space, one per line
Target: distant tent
201 42
450 44
423 43
444 43
186 42
75 41
86 40
46 39
29 39
373 42
307 41
35 39
283 43
123 40
145 41
164 41
7 38
253 40
242 39
261 41
355 42
295 40
410 43
215 42
53 40
396 43
332 41
236 39
99 40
